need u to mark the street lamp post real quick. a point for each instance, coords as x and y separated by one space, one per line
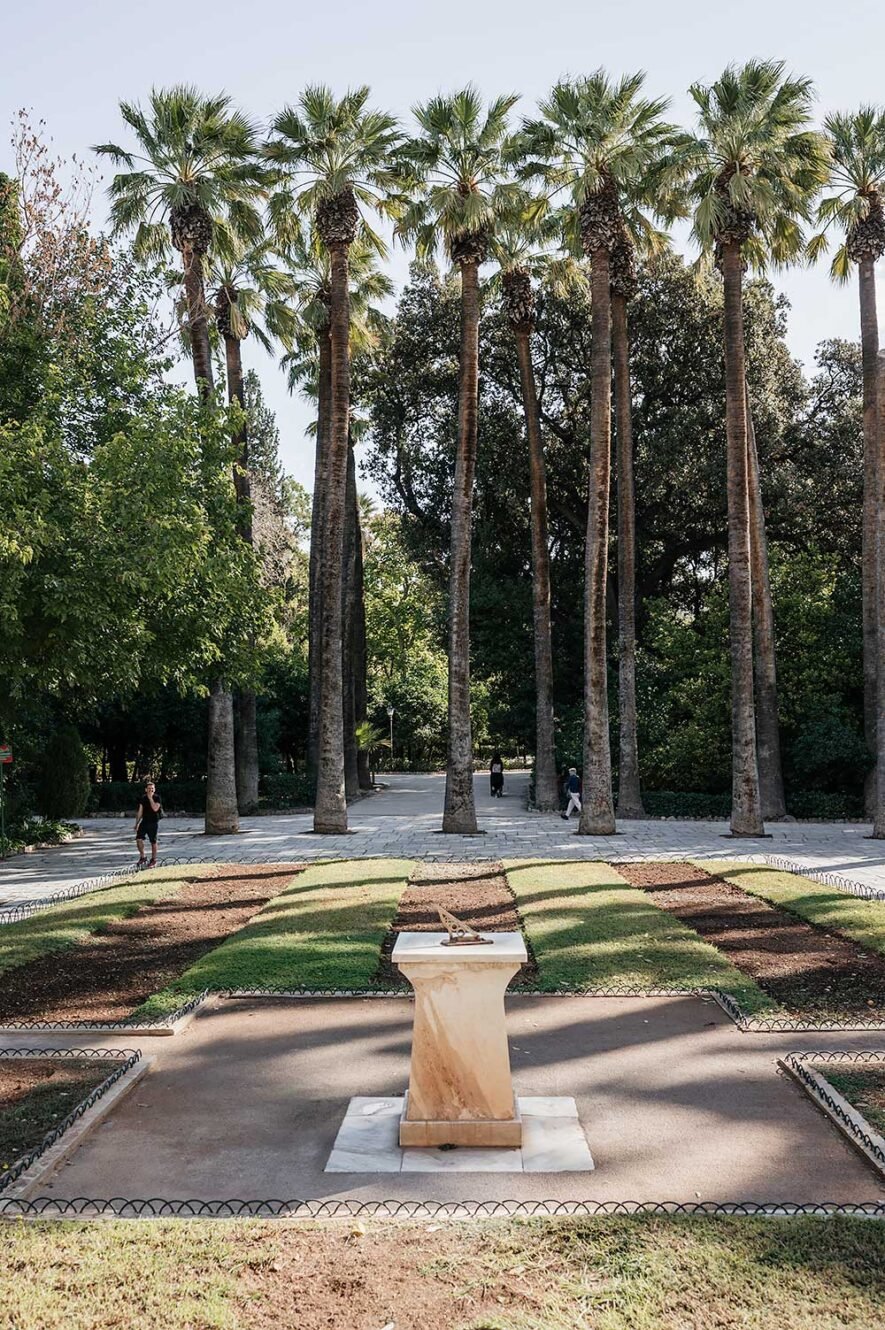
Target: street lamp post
390 711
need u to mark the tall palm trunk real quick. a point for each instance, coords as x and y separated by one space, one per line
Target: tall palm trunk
546 784
459 814
869 341
879 809
246 727
221 786
629 792
361 686
598 816
198 322
768 741
330 809
746 811
349 661
324 409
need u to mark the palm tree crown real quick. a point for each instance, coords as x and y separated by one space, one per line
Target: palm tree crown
196 168
608 149
252 294
459 173
757 163
857 178
337 155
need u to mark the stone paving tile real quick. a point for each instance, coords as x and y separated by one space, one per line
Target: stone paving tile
404 821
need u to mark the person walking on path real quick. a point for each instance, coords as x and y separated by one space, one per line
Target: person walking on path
573 794
496 776
147 820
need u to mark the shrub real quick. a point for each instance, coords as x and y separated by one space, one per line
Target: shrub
63 782
285 789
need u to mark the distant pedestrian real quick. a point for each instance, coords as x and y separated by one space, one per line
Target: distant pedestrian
496 776
147 821
573 794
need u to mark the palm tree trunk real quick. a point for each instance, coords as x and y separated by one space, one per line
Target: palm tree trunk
629 791
330 809
348 662
598 815
869 341
324 400
198 323
360 662
546 784
768 741
459 814
746 810
221 787
879 785
245 709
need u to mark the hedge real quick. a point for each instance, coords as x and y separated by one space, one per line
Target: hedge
281 790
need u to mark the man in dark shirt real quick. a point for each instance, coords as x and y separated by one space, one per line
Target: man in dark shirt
147 820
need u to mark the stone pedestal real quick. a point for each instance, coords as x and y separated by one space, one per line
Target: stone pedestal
460 1088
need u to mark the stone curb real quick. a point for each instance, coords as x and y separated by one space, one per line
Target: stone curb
848 1119
74 1135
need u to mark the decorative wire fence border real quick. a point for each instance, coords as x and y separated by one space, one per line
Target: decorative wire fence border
24 909
826 879
157 1208
10 914
125 1059
751 1024
849 1118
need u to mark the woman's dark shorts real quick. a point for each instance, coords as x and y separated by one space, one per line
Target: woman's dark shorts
147 831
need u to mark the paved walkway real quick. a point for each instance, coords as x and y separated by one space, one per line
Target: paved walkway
404 821
677 1105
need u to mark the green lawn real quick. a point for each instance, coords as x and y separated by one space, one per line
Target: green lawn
323 931
589 928
861 920
864 1087
636 1273
69 922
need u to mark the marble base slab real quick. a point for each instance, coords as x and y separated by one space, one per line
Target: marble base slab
483 1133
553 1141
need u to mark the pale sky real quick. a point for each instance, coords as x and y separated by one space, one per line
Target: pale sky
71 61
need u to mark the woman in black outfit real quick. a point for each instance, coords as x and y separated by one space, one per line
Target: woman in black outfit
496 774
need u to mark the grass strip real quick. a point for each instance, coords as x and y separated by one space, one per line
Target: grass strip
590 928
630 1273
64 925
861 920
36 1095
324 931
863 1087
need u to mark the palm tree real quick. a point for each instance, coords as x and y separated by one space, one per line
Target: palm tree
194 179
337 156
857 144
757 169
520 250
250 294
462 194
595 139
879 807
309 367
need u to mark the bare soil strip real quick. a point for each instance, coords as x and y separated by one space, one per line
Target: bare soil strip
476 893
808 970
36 1095
108 975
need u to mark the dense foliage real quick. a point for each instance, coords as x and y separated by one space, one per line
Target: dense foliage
808 434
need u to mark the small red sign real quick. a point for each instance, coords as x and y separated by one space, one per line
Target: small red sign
5 754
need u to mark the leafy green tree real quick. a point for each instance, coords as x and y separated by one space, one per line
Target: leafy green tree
464 193
758 168
596 140
64 780
337 154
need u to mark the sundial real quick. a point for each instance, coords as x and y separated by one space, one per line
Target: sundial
460 934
